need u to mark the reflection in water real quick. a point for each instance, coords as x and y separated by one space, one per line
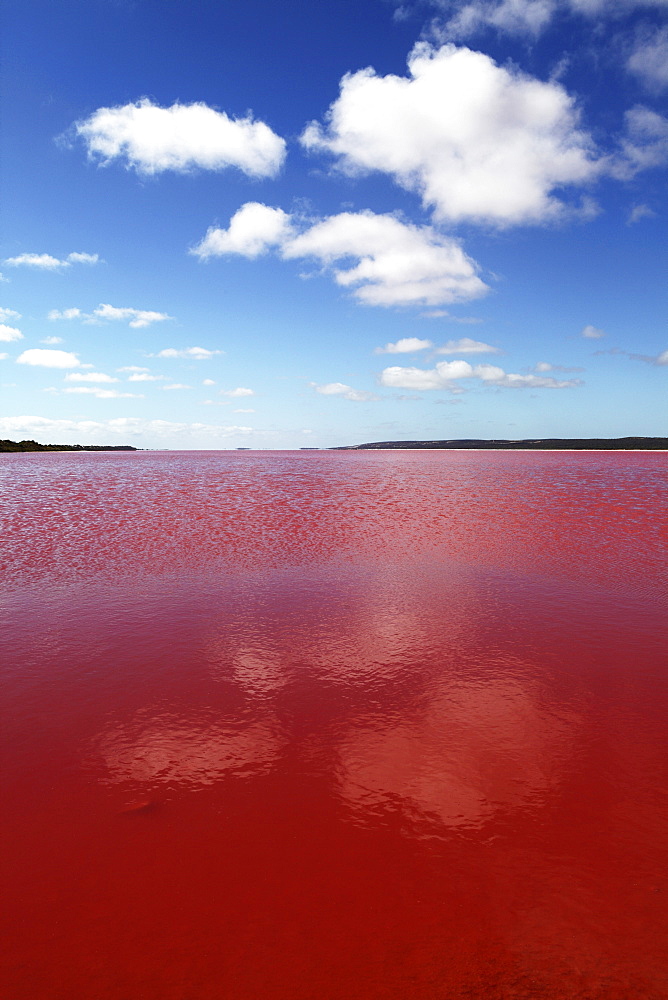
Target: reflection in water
468 751
161 748
395 723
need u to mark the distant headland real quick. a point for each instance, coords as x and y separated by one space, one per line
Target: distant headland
533 444
6 445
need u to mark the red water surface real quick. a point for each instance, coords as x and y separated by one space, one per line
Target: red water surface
334 726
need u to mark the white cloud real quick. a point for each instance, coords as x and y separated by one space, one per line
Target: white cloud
243 411
9 333
138 318
51 340
651 359
49 359
649 59
252 231
524 17
192 353
46 262
445 373
8 314
344 391
132 368
176 385
208 381
3 357
545 366
142 376
102 393
89 377
164 431
64 314
397 264
592 333
467 346
404 346
236 393
644 145
478 141
639 212
183 137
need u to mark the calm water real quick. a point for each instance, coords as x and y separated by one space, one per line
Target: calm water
335 726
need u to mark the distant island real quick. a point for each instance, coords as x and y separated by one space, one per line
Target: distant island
6 445
533 444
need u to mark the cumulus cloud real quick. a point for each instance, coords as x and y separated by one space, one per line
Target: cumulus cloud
251 232
176 385
89 377
191 353
6 314
132 368
151 139
397 264
344 391
243 411
236 393
592 333
208 381
9 333
3 357
446 373
405 346
102 393
51 340
49 359
477 141
143 376
45 262
467 346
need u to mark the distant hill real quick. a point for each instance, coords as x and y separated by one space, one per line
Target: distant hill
6 445
534 444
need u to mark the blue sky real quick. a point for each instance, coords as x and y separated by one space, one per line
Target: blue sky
296 225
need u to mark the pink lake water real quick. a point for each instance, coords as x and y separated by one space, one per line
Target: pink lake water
334 726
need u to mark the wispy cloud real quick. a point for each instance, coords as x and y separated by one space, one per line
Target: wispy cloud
136 318
406 345
102 393
45 262
344 392
467 346
191 353
89 377
592 333
446 374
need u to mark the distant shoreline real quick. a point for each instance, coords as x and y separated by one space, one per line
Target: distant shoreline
19 446
533 444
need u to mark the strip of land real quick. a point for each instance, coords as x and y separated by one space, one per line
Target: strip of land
6 445
535 444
